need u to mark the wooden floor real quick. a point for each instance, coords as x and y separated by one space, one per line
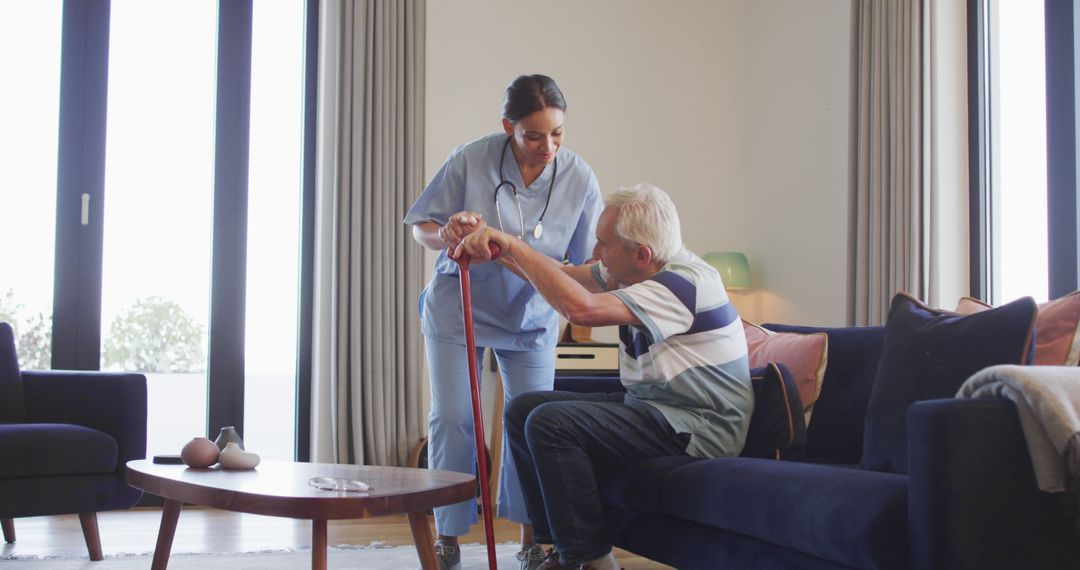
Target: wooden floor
203 530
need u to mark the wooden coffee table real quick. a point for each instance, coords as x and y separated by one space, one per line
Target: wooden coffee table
281 489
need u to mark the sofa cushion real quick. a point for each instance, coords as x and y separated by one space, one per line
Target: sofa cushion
639 485
11 389
928 354
777 429
41 450
1057 328
804 354
836 434
850 516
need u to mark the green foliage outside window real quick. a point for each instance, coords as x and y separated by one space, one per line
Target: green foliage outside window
154 335
33 333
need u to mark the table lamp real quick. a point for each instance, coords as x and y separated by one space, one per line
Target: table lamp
733 267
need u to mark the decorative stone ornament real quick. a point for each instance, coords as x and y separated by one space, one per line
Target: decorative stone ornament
233 457
199 452
228 434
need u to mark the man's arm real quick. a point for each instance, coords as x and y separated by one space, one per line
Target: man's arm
572 291
581 273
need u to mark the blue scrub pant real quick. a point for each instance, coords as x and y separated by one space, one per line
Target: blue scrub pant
451 443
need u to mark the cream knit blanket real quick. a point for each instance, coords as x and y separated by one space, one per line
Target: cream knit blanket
1048 401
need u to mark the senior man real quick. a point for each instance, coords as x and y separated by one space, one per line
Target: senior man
683 361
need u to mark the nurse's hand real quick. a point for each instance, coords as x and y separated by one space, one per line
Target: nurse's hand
460 225
476 244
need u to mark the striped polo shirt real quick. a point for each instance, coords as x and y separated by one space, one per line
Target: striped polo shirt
688 358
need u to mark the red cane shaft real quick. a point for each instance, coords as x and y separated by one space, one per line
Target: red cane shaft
478 421
478 418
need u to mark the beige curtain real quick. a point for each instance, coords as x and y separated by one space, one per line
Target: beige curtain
889 206
367 387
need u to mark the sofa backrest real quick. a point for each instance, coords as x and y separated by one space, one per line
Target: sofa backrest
835 433
11 388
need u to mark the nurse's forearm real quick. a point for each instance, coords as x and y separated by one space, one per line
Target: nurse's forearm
427 235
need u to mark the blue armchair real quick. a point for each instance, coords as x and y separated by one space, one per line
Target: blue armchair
65 438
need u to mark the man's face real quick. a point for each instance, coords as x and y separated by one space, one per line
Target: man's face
620 260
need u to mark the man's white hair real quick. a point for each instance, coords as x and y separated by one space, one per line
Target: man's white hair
645 215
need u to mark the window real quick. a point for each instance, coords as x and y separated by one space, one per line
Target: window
1018 142
1023 170
130 160
30 51
274 184
159 209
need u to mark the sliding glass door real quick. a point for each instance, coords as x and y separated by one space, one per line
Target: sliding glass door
30 58
158 208
273 247
153 188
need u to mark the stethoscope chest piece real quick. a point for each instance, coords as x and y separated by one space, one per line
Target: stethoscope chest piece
538 231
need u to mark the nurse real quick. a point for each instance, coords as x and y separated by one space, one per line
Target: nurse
524 182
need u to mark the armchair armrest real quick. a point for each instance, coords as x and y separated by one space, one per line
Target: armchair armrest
111 402
972 497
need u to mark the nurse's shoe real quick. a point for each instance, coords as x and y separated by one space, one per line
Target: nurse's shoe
448 555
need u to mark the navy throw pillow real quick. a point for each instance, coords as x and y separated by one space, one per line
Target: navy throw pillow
777 428
11 388
928 354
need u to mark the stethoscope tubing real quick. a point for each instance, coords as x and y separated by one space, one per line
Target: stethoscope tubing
517 201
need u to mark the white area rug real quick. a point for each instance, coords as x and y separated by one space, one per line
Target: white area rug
473 556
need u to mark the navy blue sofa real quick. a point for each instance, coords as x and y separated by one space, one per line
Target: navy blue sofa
65 438
969 499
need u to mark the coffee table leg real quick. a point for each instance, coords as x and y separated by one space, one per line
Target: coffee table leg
421 535
169 515
318 545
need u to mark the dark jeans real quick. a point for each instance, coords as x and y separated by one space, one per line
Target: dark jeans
558 440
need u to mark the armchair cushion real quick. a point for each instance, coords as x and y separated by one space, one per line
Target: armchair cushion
928 354
110 402
11 390
42 450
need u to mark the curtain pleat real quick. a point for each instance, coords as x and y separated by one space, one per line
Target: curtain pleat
368 405
888 202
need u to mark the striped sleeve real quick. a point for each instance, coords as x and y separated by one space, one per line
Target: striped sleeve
664 304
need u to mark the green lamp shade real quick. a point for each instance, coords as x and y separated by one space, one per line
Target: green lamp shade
733 267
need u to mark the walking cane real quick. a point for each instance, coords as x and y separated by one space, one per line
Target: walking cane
474 382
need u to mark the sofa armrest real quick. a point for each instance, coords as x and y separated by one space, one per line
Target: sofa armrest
972 497
111 402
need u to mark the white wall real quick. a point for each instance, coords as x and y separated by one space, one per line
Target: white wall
738 108
797 89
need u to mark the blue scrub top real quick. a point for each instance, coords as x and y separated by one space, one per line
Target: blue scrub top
507 310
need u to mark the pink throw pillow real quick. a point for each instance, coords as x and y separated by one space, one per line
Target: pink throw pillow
1057 328
804 355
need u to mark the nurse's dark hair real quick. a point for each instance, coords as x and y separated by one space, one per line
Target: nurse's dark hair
529 94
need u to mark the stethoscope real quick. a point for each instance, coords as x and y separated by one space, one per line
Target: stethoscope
539 229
